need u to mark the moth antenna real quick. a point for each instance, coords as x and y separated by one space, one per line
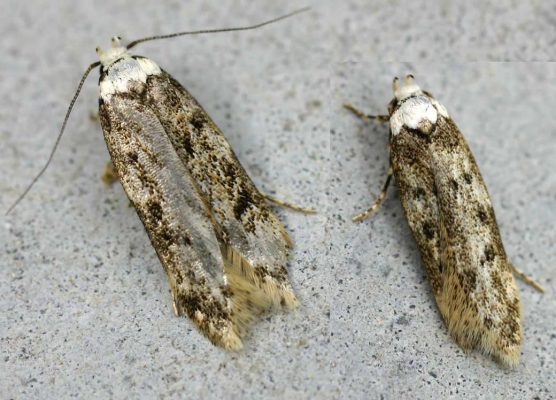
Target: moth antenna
73 100
242 28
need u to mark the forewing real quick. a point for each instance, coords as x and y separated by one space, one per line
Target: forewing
174 213
479 297
415 180
255 241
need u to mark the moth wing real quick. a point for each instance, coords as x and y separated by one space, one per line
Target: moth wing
418 197
255 243
479 298
175 215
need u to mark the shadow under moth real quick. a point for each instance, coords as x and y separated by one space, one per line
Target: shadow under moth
450 214
223 249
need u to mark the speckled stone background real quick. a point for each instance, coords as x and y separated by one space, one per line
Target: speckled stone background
85 309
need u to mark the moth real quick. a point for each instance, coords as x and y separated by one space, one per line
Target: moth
223 249
450 214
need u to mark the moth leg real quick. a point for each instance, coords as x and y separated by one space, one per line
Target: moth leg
366 117
109 174
94 116
528 280
291 206
174 305
378 201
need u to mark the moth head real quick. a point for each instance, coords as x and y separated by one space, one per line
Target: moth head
402 92
113 54
408 89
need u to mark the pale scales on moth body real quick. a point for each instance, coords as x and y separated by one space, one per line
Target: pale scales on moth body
450 214
224 251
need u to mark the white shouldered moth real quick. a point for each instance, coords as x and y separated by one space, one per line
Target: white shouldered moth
450 214
223 249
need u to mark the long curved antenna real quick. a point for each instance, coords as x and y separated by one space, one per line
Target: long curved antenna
36 178
243 28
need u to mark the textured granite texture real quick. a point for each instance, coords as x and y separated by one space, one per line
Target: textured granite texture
85 309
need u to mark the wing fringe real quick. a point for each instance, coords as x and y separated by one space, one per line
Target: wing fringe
251 294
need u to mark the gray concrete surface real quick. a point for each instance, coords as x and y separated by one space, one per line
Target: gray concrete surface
85 309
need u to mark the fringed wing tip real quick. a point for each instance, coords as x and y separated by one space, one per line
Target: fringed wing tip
262 290
488 344
224 333
251 293
229 340
508 357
